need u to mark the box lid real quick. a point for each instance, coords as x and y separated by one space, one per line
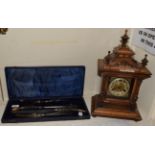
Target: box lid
44 82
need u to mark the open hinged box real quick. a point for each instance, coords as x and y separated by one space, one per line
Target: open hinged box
45 94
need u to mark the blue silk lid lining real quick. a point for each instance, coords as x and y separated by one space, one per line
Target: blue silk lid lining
44 82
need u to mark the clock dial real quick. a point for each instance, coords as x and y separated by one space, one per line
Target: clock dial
119 87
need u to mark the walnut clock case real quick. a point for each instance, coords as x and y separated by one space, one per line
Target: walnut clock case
121 77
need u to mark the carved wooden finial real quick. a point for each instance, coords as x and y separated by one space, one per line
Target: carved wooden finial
3 30
145 61
108 57
126 32
125 39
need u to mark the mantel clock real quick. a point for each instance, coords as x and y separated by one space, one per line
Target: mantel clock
121 77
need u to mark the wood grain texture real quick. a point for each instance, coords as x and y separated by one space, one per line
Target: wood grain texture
120 64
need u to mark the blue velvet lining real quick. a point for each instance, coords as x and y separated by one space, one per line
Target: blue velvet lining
44 82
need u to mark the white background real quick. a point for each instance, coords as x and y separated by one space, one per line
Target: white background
77 140
55 47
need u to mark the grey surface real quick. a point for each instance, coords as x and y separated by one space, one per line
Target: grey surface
97 121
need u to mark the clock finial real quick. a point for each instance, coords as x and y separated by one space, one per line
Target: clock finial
125 39
108 57
145 61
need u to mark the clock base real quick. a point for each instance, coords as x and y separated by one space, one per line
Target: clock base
112 110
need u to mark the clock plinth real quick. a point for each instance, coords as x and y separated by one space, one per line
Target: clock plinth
99 108
121 78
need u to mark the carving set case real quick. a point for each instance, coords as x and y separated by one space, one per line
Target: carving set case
45 94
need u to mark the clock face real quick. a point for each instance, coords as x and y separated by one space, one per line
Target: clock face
119 87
